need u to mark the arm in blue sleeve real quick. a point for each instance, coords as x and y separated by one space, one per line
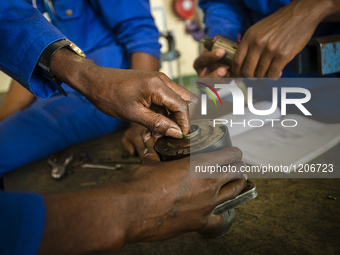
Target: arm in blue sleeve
22 219
133 24
25 33
224 17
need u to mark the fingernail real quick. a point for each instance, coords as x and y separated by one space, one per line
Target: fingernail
222 71
245 176
220 52
147 136
145 152
174 133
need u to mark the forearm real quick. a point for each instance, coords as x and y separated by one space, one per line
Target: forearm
85 221
126 94
327 10
75 71
148 205
144 62
17 98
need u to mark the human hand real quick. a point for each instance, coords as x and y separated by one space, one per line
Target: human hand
16 99
133 141
209 64
165 201
158 200
271 43
136 92
128 94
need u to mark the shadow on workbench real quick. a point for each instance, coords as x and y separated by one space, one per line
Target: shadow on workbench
289 216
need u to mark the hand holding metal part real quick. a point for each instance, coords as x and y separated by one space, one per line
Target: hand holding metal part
210 64
132 140
268 45
204 137
175 192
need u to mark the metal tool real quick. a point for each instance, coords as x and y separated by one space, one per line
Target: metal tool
108 167
204 137
227 209
58 170
219 42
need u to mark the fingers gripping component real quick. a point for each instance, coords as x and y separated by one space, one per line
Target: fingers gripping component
205 137
219 42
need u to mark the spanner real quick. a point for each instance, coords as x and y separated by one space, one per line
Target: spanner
109 167
58 170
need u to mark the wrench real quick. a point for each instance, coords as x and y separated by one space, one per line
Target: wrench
116 167
58 170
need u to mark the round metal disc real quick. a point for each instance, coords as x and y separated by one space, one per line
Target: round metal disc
202 135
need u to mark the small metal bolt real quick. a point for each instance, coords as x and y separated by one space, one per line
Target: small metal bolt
332 197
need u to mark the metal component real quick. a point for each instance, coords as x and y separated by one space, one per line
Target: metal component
121 162
248 193
108 167
219 42
332 197
86 162
58 170
321 54
194 130
227 210
203 137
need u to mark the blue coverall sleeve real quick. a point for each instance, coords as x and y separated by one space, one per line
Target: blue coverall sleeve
134 25
24 34
224 17
22 218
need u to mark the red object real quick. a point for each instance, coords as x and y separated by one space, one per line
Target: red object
185 9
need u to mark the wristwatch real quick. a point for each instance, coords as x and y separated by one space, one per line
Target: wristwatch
46 57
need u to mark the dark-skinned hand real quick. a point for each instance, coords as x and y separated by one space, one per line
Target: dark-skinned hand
133 141
128 94
183 203
270 44
157 201
209 64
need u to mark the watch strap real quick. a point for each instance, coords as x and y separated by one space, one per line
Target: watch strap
45 60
